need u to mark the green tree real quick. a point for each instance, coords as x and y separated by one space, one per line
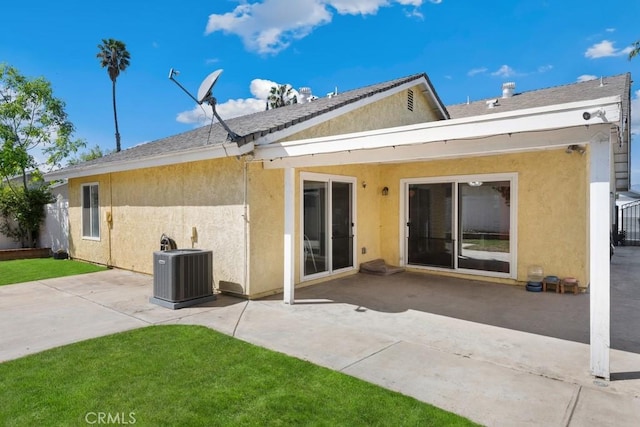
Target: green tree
94 153
22 212
635 50
114 56
34 132
281 95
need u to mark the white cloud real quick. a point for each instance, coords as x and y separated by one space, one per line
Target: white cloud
202 114
414 13
475 71
586 77
504 71
610 30
605 49
269 26
259 88
545 68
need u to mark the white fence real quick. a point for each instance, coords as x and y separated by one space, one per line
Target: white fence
54 233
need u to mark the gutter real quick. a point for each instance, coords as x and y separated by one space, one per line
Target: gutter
206 152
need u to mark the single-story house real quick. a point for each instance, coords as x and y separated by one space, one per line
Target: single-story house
306 192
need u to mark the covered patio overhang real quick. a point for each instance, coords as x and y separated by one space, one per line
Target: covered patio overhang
527 130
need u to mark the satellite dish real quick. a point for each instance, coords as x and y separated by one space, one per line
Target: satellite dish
204 92
204 95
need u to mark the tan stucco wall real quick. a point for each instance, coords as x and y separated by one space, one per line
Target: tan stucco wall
96 251
388 112
209 195
266 218
266 207
551 211
146 203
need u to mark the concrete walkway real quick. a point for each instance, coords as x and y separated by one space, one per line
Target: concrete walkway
490 374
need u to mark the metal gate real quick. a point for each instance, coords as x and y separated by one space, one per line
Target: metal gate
629 216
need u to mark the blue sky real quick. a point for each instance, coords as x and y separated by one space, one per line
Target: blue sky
468 49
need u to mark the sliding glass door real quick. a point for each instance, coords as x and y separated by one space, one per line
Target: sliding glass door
429 225
484 226
461 223
327 224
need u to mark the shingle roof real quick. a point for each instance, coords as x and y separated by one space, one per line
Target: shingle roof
252 126
592 89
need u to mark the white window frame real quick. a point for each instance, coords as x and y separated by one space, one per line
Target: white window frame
328 178
513 219
82 218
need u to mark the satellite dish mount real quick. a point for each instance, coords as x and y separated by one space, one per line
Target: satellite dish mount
205 95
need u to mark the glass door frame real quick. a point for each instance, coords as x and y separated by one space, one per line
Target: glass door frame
455 180
328 179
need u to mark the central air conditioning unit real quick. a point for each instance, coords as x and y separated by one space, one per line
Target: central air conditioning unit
182 277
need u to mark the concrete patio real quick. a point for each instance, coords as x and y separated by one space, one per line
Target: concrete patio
496 354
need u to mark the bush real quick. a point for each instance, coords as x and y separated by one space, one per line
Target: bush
23 211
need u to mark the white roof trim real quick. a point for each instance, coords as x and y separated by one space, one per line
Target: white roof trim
538 119
207 152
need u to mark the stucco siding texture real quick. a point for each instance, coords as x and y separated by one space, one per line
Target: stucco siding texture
203 200
247 244
266 239
97 250
551 211
389 112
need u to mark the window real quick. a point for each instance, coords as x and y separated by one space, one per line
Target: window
461 223
327 218
90 211
484 225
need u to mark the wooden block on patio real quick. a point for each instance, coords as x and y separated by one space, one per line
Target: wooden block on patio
570 282
551 281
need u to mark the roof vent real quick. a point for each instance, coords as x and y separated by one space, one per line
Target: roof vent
305 95
410 100
492 103
508 89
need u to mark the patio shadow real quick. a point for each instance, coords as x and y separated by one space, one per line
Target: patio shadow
563 316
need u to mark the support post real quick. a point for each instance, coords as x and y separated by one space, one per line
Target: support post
289 231
599 257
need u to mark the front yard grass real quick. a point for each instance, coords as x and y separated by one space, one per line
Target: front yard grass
194 376
27 270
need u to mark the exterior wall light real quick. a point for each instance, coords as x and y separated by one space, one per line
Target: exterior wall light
575 148
385 191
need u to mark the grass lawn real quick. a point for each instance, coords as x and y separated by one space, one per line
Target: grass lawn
26 270
490 245
193 376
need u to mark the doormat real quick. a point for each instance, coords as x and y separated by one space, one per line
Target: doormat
379 267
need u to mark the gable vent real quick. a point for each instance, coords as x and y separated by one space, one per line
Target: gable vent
410 100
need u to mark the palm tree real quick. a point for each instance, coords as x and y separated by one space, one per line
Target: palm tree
114 56
635 50
281 95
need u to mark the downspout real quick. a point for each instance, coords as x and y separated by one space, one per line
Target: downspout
245 214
